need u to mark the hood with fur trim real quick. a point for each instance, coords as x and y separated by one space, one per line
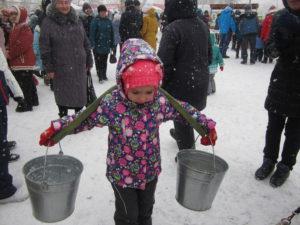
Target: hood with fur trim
22 14
133 50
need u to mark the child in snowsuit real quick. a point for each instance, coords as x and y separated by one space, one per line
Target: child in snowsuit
133 114
259 49
217 60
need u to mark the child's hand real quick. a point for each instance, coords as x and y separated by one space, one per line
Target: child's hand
221 68
211 138
45 138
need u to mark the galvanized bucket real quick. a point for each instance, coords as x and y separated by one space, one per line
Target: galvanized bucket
52 188
199 175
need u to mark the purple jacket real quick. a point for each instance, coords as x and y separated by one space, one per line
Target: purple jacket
133 157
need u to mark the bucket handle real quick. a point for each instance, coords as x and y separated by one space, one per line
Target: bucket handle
213 151
61 153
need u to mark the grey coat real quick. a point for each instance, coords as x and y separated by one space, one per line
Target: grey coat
65 50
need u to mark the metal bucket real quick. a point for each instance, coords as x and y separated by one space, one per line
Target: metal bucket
53 195
199 176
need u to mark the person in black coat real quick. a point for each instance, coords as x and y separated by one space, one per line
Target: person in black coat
86 17
283 99
185 52
131 22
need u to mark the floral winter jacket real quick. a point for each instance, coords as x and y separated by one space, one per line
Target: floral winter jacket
133 157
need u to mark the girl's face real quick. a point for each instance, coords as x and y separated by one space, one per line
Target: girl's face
13 15
141 95
294 4
63 6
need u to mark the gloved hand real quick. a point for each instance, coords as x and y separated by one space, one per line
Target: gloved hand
18 99
45 138
210 139
221 68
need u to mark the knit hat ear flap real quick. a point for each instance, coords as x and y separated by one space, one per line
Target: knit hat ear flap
142 73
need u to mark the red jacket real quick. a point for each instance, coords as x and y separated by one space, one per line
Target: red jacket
266 27
21 55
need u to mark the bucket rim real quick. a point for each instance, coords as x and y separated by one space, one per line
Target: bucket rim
226 166
51 185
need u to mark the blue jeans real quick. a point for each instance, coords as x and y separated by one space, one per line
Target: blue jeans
224 42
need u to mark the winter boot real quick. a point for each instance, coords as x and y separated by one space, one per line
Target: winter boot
265 170
281 174
265 60
244 61
10 145
23 107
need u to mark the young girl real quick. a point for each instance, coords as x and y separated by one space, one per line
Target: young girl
133 114
217 60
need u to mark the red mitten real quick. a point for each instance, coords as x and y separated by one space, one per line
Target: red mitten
221 68
45 138
210 139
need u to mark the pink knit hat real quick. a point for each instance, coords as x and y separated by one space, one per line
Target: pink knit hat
142 73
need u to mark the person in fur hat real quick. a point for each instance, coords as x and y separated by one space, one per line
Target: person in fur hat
133 112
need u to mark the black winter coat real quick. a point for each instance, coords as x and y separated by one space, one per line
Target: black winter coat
131 23
86 22
284 89
185 52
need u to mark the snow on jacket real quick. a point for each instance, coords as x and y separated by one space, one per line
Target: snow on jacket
101 35
226 21
217 59
249 24
65 50
36 48
284 89
266 27
21 55
8 80
130 24
186 53
150 28
133 157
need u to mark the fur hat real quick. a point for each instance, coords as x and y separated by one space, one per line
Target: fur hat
142 73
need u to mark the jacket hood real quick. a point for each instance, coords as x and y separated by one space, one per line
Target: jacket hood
297 13
60 18
22 14
151 12
180 9
132 50
227 10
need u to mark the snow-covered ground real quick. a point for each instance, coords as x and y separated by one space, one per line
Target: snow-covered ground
241 119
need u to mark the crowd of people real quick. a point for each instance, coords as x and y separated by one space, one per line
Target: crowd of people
61 46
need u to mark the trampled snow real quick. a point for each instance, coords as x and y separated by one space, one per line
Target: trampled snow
237 107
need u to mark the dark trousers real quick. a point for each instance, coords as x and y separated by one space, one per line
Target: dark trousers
63 110
6 187
184 136
101 65
224 42
291 145
238 47
259 54
250 40
115 49
134 206
24 78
